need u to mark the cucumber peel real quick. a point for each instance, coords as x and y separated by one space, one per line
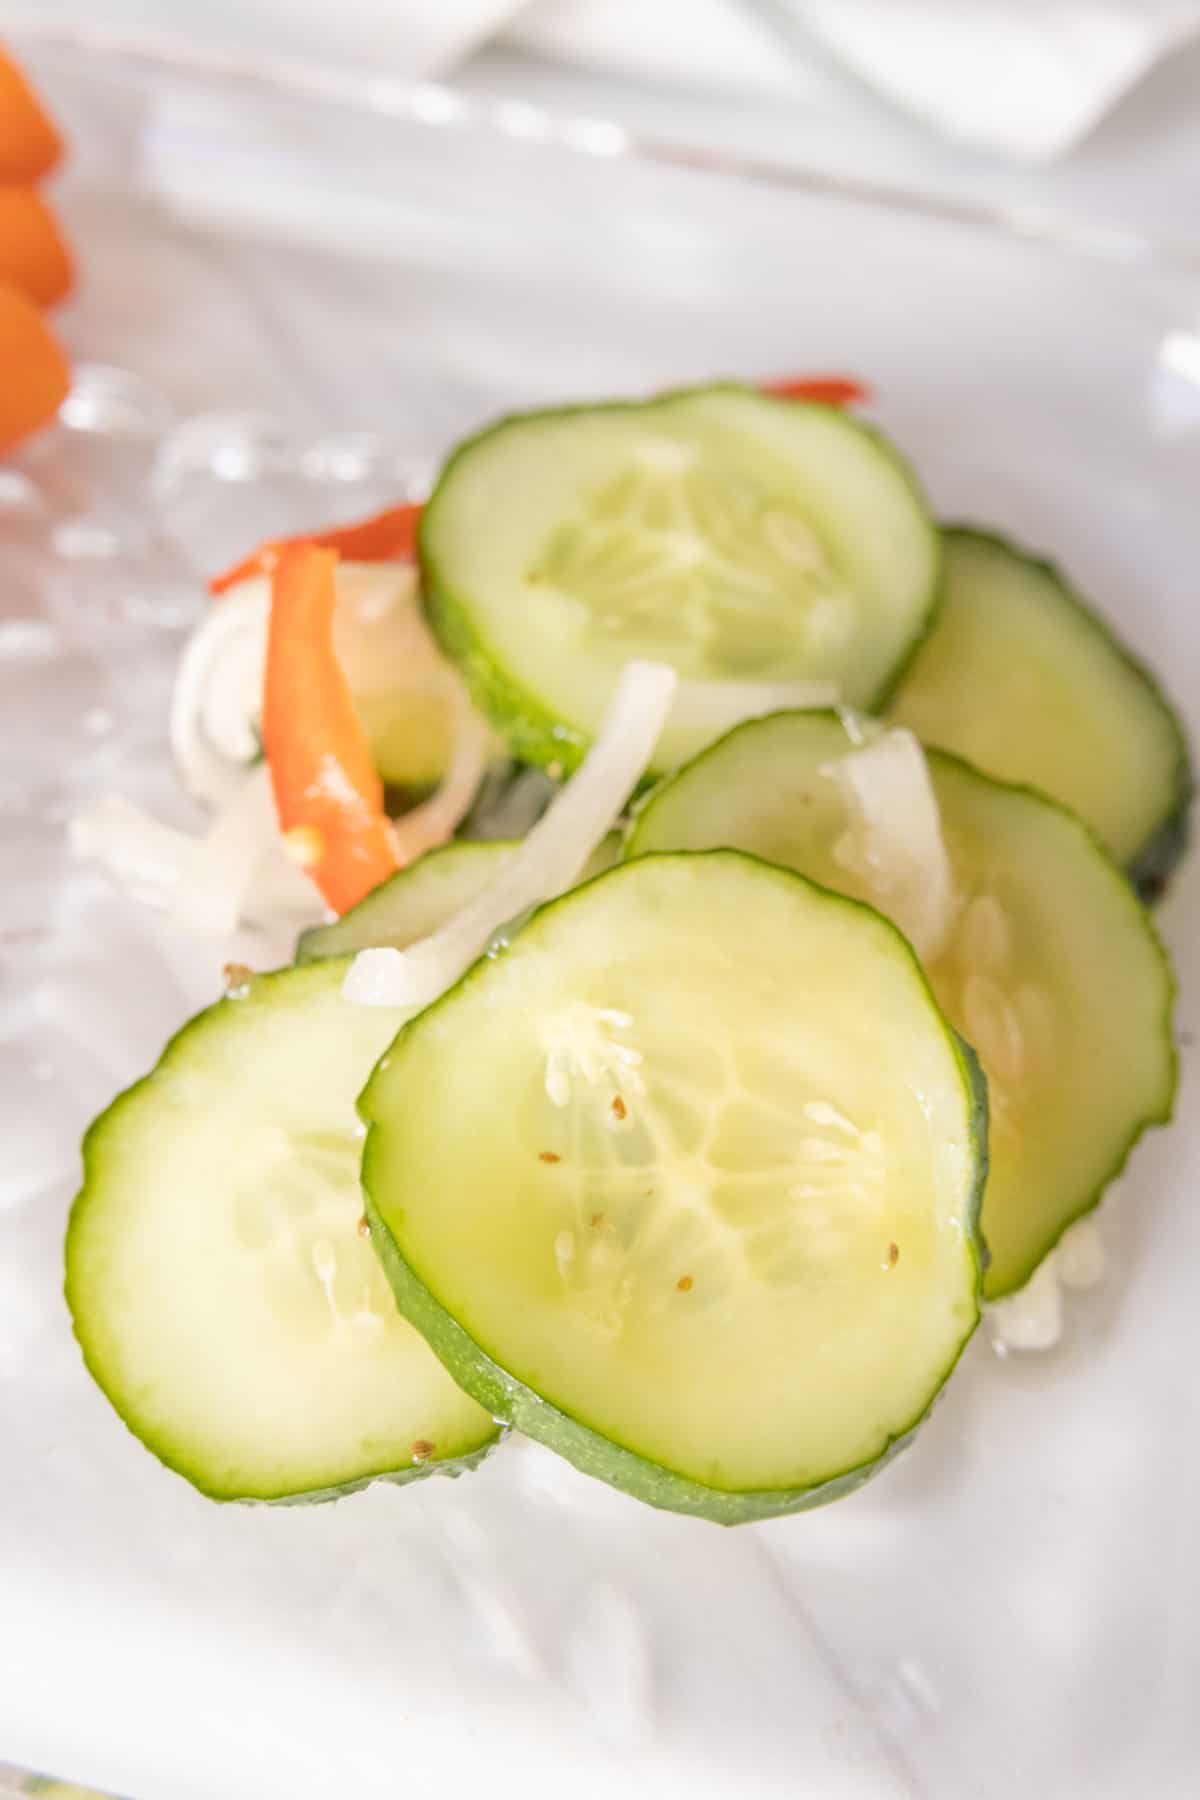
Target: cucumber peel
734 536
1054 973
411 903
221 1289
1025 679
641 1278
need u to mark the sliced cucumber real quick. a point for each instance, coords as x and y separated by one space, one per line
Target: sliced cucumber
1053 971
405 692
711 1233
1024 680
416 900
411 903
734 536
222 1292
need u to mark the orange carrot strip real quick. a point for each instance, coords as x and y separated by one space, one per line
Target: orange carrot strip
389 536
328 796
29 142
33 254
829 390
34 377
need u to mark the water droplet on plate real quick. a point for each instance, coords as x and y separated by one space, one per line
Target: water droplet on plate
17 493
27 640
114 403
85 539
352 456
231 447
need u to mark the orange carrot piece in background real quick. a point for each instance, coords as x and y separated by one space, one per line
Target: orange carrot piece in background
328 795
33 254
34 377
389 536
829 390
29 142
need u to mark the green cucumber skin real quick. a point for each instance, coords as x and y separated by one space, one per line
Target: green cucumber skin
1135 900
91 1152
512 1403
1153 864
532 732
320 942
1131 893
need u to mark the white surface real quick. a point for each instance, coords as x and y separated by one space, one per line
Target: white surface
1023 78
1008 1612
1137 168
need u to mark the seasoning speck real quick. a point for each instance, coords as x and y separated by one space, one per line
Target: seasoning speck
237 978
620 1110
422 1450
549 1156
684 1284
597 1219
364 1229
303 845
893 1255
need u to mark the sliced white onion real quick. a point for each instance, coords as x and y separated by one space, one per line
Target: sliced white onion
550 859
894 844
1030 1319
1082 1258
236 873
217 698
715 707
241 834
436 819
150 861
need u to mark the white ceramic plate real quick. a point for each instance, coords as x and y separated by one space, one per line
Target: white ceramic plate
291 304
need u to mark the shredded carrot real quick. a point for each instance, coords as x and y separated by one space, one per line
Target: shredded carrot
29 142
328 796
389 536
33 254
34 377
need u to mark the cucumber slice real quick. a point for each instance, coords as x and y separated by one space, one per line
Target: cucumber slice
221 1292
712 1231
411 903
415 901
1053 972
1024 680
405 693
737 537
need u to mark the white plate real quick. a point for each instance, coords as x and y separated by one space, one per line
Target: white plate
309 299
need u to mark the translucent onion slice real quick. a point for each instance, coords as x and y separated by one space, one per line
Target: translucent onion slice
1032 1318
236 873
894 844
217 698
435 820
549 861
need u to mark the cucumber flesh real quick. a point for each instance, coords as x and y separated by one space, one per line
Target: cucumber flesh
406 694
222 1293
711 1233
415 901
1053 972
734 536
1025 681
410 904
